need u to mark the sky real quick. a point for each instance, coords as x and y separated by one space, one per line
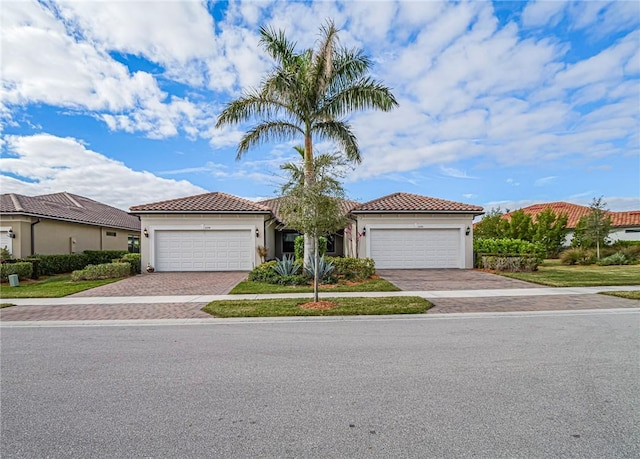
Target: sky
501 104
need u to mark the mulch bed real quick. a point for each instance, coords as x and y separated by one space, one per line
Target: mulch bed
318 305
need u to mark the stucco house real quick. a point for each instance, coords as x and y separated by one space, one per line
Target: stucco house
220 232
62 223
625 226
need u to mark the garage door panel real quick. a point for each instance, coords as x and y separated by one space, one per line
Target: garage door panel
404 248
216 250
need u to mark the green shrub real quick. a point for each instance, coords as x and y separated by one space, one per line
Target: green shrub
99 257
5 254
60 264
632 252
265 273
578 256
134 259
617 258
354 269
325 268
298 247
292 279
102 271
35 273
518 263
507 246
22 269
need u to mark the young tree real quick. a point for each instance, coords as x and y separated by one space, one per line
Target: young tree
550 231
308 95
492 225
520 226
314 208
593 229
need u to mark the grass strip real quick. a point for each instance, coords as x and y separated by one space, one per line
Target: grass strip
6 305
372 285
555 275
51 287
344 307
632 295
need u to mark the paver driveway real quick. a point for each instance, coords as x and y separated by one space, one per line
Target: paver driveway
161 284
449 279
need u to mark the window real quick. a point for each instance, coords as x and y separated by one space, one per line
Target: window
331 243
111 233
632 231
289 241
134 244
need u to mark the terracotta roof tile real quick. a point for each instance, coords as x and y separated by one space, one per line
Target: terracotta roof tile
207 202
575 212
68 207
273 204
407 202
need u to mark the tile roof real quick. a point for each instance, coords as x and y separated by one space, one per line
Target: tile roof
575 212
68 207
407 202
273 204
216 202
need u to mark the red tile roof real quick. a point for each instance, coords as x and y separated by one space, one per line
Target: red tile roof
575 212
68 207
407 202
204 203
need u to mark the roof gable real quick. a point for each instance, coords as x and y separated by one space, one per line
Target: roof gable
215 202
68 207
407 202
273 205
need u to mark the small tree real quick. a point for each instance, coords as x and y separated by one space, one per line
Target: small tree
593 229
492 225
551 231
520 226
314 209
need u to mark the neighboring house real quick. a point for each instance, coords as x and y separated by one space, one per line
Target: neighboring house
221 232
62 223
625 226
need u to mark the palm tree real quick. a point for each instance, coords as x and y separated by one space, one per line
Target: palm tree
308 94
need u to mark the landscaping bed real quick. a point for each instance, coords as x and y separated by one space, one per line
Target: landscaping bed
632 295
374 284
326 307
554 274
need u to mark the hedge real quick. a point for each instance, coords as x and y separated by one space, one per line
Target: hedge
356 269
102 271
66 263
22 268
134 259
515 263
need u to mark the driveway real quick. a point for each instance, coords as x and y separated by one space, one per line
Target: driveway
449 279
161 284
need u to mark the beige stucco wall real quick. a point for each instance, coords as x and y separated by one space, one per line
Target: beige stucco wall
58 237
154 222
460 221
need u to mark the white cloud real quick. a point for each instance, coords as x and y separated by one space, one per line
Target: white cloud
455 173
543 12
544 180
48 164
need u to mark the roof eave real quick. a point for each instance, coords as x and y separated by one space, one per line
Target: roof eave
254 212
472 212
60 219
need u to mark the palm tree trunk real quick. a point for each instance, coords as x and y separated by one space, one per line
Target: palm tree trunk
315 272
308 181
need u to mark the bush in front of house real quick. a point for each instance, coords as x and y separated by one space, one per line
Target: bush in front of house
578 256
22 268
102 271
99 257
518 263
265 273
353 269
134 259
507 254
298 247
617 258
60 264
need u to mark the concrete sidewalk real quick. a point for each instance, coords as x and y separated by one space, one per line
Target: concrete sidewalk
431 294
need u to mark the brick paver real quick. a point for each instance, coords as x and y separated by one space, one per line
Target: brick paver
105 312
530 303
163 284
449 279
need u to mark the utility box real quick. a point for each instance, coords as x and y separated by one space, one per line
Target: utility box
13 280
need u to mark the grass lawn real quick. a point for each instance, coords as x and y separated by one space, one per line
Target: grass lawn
554 274
343 307
51 287
371 285
632 295
6 305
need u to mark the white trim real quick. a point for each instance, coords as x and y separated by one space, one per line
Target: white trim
422 226
5 229
152 233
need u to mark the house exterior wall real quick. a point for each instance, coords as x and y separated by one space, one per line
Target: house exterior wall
155 222
460 221
54 237
270 239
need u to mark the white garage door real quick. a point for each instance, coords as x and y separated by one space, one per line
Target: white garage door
219 250
415 248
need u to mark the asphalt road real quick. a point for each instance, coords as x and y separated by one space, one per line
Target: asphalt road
529 385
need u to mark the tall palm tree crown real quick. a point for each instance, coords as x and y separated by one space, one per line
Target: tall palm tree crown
308 94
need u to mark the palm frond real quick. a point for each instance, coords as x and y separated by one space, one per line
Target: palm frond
361 95
277 45
275 130
340 132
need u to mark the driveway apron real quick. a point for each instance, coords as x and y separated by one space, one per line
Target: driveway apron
449 279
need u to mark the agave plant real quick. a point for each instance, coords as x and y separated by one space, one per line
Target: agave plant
287 266
325 268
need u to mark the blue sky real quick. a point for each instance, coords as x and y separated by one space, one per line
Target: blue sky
501 104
